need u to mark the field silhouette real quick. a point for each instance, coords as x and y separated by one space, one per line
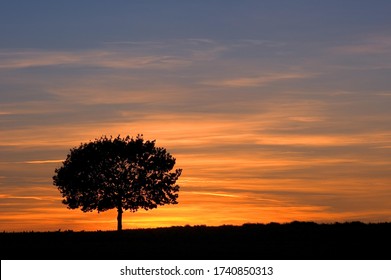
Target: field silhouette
273 241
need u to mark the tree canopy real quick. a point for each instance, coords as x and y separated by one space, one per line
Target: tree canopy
123 173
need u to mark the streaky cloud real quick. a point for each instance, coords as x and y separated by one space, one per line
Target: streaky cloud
257 81
44 161
93 58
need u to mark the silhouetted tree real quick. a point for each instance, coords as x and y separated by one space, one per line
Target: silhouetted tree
122 173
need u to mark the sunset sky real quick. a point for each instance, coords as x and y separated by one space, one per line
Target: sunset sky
275 110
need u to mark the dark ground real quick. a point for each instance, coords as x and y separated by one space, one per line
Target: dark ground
290 241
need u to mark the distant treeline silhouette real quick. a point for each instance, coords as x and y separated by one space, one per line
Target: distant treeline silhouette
295 240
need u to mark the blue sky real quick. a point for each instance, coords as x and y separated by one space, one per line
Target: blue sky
86 24
275 110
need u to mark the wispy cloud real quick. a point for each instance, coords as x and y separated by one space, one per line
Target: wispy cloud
215 194
371 44
118 55
104 58
44 161
257 80
40 198
5 113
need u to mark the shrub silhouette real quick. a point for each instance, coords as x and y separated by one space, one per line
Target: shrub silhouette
122 173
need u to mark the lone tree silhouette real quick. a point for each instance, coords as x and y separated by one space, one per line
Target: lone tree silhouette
122 173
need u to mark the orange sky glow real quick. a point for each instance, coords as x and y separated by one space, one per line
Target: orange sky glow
277 120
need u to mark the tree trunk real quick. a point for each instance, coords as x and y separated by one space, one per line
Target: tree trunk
119 218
